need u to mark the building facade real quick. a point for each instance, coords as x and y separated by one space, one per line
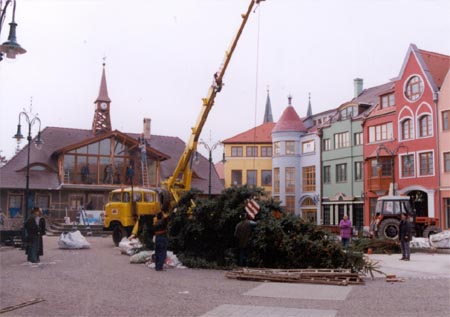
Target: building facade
444 150
343 159
401 136
296 165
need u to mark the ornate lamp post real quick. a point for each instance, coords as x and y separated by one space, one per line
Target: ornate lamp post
393 153
210 149
11 48
30 119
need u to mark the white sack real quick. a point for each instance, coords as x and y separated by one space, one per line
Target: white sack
419 243
440 240
141 257
73 240
170 262
130 247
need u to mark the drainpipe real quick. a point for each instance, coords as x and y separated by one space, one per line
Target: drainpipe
436 119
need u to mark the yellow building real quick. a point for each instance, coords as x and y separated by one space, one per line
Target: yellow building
249 158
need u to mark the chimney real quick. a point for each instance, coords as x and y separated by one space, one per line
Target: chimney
147 125
358 86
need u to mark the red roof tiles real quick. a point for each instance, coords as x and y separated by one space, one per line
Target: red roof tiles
290 121
438 65
260 134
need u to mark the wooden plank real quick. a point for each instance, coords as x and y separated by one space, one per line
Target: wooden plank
27 303
294 276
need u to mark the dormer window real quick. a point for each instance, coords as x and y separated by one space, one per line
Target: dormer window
414 88
387 101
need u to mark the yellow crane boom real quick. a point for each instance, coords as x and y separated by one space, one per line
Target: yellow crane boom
180 181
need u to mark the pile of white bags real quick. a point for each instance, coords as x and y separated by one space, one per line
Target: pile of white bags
73 240
141 257
419 243
171 262
130 247
440 240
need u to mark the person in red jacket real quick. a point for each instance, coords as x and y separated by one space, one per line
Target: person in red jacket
345 227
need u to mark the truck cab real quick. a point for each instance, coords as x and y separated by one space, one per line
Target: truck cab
127 205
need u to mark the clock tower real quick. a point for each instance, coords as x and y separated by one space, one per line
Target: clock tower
102 119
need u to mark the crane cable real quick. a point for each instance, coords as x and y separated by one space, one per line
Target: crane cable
256 88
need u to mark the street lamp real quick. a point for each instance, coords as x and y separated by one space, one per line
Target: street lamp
392 153
210 149
11 48
30 119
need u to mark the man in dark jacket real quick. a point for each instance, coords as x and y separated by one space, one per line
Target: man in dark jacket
33 233
160 229
404 236
242 233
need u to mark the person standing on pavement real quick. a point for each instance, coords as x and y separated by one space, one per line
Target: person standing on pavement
242 233
345 227
404 235
32 233
42 232
160 229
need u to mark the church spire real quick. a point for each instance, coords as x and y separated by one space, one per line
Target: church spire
102 119
268 112
103 93
309 112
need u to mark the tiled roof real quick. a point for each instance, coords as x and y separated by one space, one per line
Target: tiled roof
260 134
12 174
438 65
220 169
371 96
289 121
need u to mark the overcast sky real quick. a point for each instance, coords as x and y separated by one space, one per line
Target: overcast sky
161 55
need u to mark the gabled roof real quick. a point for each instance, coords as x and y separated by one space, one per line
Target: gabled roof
126 138
290 121
259 134
434 65
12 174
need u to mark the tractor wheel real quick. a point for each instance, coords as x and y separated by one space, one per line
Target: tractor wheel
119 232
431 230
389 229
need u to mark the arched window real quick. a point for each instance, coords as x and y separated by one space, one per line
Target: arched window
425 126
407 129
308 202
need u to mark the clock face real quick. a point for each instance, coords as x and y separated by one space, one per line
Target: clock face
103 105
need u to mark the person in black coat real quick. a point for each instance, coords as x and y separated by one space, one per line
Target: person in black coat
160 229
404 235
32 233
42 231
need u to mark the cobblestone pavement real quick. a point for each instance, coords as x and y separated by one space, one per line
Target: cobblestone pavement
101 282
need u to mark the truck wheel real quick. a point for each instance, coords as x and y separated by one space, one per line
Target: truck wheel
119 232
431 230
389 229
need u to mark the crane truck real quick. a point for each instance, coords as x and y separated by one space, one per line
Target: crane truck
127 206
